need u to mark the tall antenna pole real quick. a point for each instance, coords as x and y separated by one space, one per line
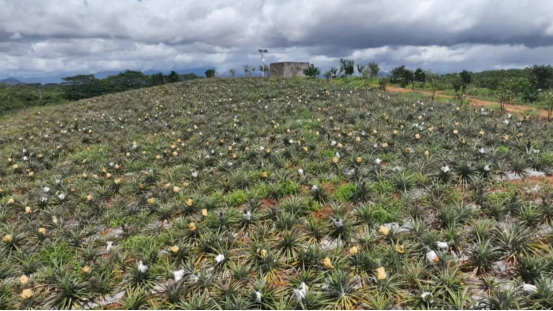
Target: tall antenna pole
262 52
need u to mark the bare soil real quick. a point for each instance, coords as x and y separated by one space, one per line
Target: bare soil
519 109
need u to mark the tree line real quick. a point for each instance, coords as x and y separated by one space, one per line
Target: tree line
86 86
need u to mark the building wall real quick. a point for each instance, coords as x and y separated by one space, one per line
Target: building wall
284 69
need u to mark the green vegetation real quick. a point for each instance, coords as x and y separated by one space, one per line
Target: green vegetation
14 97
312 71
210 73
258 193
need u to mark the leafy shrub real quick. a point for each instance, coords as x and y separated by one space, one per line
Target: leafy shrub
346 192
237 198
288 187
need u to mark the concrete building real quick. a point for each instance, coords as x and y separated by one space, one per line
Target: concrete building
286 69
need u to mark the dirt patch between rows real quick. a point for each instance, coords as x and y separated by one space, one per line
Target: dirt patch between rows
473 101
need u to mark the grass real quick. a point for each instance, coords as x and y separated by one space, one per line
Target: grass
198 191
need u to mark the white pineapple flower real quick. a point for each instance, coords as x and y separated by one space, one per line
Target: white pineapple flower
314 188
195 174
46 189
261 148
301 293
506 122
377 161
178 275
431 256
529 289
442 245
338 223
109 245
487 168
142 267
220 258
445 168
300 171
481 150
427 297
247 216
333 143
258 296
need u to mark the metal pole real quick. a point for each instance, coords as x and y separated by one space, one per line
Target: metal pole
263 64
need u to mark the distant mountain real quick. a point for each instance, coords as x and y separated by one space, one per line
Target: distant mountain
10 81
42 80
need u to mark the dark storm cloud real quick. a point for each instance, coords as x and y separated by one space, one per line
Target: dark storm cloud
53 36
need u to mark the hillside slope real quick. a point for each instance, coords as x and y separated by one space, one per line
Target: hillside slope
275 194
10 81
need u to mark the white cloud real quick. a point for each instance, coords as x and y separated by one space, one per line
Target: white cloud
62 36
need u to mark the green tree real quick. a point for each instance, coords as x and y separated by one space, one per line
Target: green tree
360 69
334 71
81 86
466 78
542 76
347 66
383 83
402 76
327 75
247 70
506 94
457 85
436 83
264 69
374 69
408 77
157 79
127 80
546 101
210 73
420 76
526 90
190 76
312 71
173 77
397 74
232 72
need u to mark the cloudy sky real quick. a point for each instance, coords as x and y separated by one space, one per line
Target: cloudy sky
41 38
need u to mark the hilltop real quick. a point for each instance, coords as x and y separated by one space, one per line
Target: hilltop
10 81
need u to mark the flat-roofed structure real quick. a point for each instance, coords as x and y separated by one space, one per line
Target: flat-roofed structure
287 69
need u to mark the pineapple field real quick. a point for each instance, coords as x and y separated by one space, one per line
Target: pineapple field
253 193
